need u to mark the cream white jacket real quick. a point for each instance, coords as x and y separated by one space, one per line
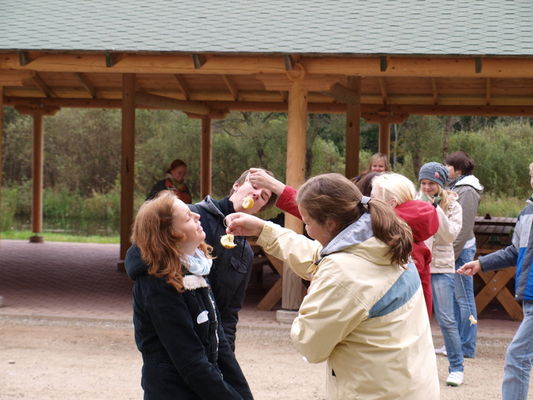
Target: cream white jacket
365 317
441 244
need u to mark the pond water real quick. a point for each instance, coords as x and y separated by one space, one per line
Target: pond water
74 226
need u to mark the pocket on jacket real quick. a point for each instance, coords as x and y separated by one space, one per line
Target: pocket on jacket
239 265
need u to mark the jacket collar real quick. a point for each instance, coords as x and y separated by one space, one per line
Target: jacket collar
467 180
355 233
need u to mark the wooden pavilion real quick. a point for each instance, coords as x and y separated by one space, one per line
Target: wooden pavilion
381 61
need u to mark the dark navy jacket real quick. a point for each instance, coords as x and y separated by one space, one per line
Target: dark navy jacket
185 353
231 267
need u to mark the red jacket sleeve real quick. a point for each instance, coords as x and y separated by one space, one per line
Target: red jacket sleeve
287 201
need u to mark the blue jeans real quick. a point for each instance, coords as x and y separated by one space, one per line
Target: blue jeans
465 304
518 359
443 304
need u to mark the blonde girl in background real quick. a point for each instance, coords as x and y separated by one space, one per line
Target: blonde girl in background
432 178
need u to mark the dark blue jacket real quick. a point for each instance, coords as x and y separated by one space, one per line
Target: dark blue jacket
520 253
231 267
185 353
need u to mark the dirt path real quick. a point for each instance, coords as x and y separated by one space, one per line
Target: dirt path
66 359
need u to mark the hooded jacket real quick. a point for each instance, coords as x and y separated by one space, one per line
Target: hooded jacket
519 253
363 315
185 353
469 192
423 220
231 267
419 215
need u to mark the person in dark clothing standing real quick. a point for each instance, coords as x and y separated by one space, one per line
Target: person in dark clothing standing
174 181
231 266
466 185
177 325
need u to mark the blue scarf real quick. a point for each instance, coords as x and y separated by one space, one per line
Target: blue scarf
198 264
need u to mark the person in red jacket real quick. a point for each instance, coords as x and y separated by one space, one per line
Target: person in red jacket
420 216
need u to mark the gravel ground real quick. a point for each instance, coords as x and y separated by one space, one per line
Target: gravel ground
49 358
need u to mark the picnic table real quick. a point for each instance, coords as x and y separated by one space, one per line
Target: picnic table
494 233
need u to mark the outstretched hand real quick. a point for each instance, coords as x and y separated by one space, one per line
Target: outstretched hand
470 268
242 224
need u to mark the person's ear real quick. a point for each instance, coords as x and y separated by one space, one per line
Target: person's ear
235 187
331 225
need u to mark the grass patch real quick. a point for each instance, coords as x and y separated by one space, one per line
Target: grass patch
60 237
500 206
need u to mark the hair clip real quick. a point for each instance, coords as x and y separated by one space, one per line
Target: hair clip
365 200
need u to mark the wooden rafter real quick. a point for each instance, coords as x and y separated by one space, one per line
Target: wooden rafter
231 87
38 81
86 83
435 91
184 89
383 89
198 60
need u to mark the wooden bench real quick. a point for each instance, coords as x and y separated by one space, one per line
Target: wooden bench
494 233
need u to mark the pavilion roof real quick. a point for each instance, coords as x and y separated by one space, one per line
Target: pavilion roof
351 27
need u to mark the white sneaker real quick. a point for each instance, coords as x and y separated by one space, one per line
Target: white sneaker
441 351
455 378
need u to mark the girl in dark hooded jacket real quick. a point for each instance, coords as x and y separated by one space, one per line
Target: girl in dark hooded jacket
177 330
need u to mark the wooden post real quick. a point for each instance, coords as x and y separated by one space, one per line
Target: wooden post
384 136
1 139
292 292
205 158
353 133
127 163
37 179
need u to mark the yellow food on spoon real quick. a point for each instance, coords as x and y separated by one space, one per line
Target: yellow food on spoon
247 203
227 241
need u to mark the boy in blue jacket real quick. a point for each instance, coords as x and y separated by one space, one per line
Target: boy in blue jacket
519 356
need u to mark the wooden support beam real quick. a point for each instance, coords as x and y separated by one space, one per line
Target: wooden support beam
383 89
146 99
86 83
414 66
495 109
127 162
184 88
488 91
231 87
198 60
296 149
345 95
435 91
353 133
37 179
205 158
384 137
1 139
38 81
